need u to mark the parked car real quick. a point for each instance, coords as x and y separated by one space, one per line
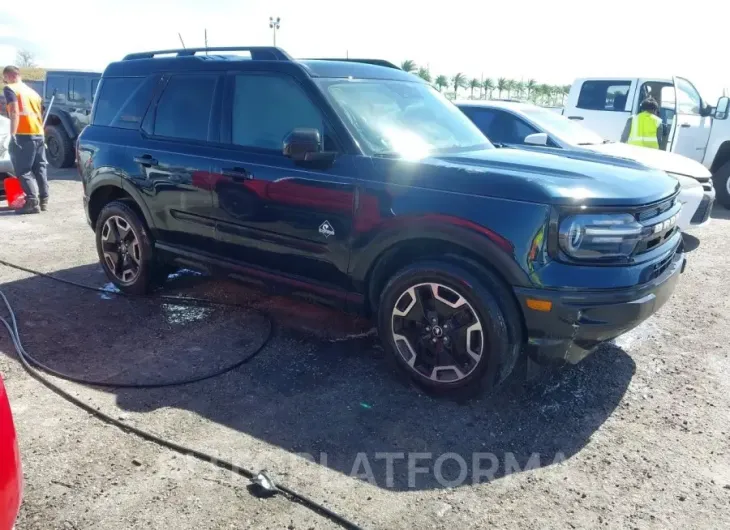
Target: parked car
700 131
74 94
531 127
11 475
6 167
364 187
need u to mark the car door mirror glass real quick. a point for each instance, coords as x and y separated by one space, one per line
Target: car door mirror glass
723 106
301 142
537 139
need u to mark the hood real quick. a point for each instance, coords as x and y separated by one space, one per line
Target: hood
655 158
561 177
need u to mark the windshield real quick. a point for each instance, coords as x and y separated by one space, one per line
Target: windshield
558 125
401 118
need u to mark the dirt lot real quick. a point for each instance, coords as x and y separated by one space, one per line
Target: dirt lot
637 436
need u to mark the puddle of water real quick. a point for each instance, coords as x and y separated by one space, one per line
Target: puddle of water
183 272
183 314
109 288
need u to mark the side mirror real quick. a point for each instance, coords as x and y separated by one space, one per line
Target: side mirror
536 139
305 145
723 106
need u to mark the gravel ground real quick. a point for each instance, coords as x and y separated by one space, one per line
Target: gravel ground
635 436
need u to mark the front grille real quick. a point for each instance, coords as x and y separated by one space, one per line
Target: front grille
658 228
703 211
655 210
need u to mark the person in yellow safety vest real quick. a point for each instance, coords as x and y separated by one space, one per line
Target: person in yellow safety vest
644 129
27 146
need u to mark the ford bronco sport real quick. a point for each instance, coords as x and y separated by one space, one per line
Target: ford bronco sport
362 185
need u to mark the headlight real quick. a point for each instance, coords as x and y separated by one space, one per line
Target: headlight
599 236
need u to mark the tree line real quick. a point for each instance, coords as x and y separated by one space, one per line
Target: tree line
487 88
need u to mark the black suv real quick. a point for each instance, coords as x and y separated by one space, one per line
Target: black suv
74 95
361 185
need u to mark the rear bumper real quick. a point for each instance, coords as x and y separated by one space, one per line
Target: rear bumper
580 320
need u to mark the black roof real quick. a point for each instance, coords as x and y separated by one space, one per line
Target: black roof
217 59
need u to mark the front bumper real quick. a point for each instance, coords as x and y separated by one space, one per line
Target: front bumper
578 321
702 214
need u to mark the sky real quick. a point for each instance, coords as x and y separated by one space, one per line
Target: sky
552 41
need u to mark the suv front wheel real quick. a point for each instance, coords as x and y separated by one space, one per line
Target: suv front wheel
125 249
448 327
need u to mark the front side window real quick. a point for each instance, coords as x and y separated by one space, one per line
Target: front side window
688 99
482 118
58 87
604 95
509 129
185 106
401 118
266 108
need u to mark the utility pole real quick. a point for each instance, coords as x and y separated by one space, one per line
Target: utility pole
206 41
274 23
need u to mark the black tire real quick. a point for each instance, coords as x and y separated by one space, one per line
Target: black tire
149 273
60 148
486 295
721 180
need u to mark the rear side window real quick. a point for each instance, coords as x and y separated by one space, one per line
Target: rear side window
604 95
123 101
185 106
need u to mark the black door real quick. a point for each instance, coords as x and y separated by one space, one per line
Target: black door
294 220
173 160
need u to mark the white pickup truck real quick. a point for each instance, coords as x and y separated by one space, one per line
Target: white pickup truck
691 127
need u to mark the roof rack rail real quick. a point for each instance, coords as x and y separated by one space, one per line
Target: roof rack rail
258 53
376 62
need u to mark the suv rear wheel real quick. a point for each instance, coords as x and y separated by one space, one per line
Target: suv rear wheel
125 249
446 327
60 149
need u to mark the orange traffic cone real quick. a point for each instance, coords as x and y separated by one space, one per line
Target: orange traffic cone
14 193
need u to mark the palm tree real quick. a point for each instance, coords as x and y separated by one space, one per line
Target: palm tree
519 88
510 87
556 91
441 82
544 91
459 81
474 84
424 74
530 86
565 91
408 65
501 86
488 85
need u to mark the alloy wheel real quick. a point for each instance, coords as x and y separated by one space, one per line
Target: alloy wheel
437 332
121 249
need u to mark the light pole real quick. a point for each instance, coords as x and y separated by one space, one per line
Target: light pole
274 24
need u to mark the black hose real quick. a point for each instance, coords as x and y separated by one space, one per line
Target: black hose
29 364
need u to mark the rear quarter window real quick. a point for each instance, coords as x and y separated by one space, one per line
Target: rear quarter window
604 95
123 101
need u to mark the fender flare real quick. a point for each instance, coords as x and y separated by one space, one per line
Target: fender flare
494 250
66 123
115 181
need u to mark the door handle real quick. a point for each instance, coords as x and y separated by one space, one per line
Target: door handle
685 125
237 173
575 117
146 160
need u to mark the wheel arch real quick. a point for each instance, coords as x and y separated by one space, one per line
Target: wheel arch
453 243
62 119
111 190
721 157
